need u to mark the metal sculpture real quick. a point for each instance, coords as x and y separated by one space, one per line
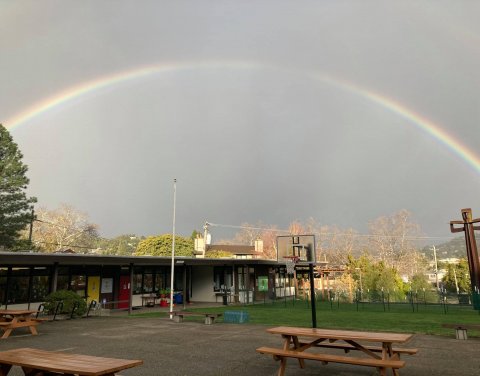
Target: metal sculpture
468 227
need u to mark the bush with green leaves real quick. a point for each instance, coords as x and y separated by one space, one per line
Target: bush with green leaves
69 298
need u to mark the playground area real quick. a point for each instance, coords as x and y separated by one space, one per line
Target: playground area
193 348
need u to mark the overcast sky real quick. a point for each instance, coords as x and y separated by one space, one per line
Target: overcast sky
268 111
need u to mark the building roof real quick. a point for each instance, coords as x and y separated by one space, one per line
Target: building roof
234 249
32 258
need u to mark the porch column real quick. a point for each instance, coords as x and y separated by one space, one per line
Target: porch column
130 297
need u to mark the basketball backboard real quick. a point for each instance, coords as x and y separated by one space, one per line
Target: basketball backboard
301 246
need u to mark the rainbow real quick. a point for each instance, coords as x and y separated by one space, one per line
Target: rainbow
420 122
108 81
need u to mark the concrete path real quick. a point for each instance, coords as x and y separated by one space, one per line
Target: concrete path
192 348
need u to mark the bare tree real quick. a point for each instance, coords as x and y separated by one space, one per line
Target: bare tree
269 238
65 227
392 240
296 228
248 234
333 244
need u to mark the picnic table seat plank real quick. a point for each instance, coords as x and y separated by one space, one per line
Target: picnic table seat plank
63 363
281 354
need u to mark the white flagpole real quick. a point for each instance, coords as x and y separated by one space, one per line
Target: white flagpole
173 248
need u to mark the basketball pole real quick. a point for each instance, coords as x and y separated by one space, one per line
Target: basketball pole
312 295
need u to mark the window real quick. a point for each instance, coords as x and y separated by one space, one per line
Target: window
40 284
222 278
137 283
18 286
3 285
78 284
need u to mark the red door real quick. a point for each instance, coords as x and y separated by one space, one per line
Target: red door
124 294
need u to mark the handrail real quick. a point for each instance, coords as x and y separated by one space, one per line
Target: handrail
93 305
74 308
58 307
41 308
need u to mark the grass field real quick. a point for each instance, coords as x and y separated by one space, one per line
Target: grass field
425 319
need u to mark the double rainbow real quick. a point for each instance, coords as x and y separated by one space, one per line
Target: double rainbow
420 122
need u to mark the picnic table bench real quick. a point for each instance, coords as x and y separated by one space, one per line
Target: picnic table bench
40 362
461 329
209 317
11 319
382 357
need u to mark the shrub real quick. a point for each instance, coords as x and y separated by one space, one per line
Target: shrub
69 298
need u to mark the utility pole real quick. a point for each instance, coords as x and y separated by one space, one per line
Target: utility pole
456 281
436 267
31 228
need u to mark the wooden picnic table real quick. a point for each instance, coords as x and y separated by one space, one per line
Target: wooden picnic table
41 362
11 319
381 355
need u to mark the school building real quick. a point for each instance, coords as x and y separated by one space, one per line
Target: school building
120 282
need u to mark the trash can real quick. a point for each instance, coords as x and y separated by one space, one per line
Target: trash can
178 298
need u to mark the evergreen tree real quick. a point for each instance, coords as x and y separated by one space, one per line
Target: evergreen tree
15 206
162 246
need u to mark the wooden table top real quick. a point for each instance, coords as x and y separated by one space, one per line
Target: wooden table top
65 363
342 334
16 312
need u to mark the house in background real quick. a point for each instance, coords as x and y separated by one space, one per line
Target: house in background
237 251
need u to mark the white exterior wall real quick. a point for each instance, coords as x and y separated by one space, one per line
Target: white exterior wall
202 288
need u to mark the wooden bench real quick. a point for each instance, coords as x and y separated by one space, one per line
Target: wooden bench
461 329
209 317
381 364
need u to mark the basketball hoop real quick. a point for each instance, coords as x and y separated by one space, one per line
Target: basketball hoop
290 262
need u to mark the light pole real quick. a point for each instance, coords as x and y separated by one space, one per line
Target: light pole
173 249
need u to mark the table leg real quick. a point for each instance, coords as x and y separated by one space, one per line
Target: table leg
296 345
283 360
387 353
33 329
6 332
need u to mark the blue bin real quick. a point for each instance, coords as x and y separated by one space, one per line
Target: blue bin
178 298
238 317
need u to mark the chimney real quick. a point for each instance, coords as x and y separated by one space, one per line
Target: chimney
259 246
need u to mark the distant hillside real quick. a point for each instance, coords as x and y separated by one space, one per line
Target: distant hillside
454 248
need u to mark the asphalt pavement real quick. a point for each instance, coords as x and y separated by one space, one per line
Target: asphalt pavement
193 348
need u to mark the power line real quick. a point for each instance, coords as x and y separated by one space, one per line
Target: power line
356 235
246 227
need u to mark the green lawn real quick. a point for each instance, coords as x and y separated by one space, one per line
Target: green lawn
426 319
